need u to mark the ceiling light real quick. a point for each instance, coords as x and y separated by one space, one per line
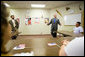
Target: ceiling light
38 5
7 5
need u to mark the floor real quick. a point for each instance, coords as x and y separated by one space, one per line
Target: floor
38 44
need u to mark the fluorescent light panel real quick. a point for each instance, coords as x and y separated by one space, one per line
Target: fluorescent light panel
38 5
7 5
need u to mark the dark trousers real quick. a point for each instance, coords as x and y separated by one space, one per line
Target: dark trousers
54 34
14 36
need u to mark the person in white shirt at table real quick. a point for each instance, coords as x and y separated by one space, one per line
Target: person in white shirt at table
78 30
74 47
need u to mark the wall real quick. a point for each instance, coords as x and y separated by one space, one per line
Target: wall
32 29
42 28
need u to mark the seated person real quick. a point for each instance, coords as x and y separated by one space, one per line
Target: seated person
78 30
72 48
5 31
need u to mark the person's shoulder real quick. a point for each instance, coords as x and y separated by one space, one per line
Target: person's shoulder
57 19
80 26
79 38
75 41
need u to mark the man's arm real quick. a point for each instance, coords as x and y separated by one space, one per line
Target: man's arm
50 22
17 24
59 22
81 30
62 50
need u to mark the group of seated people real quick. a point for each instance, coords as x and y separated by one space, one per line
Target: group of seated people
69 48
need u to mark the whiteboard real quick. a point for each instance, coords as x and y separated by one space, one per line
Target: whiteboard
72 19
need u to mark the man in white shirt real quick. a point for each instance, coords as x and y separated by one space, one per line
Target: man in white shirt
72 48
78 30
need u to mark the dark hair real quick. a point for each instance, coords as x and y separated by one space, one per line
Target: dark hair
4 22
11 15
79 23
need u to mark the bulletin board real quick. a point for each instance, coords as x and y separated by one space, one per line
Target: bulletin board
72 19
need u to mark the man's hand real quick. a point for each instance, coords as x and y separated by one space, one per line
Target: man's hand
60 25
65 42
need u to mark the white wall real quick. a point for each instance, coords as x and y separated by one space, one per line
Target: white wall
32 29
42 28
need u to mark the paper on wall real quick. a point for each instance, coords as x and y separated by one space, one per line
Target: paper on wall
37 20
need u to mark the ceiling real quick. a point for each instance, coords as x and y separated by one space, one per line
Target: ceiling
49 4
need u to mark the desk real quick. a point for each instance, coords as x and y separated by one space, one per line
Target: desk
67 33
39 45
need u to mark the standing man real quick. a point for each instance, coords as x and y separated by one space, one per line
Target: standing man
14 25
54 27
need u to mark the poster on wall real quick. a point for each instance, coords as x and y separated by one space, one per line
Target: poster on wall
37 20
46 20
28 21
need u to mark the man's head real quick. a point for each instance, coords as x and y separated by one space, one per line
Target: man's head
55 16
78 24
12 16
